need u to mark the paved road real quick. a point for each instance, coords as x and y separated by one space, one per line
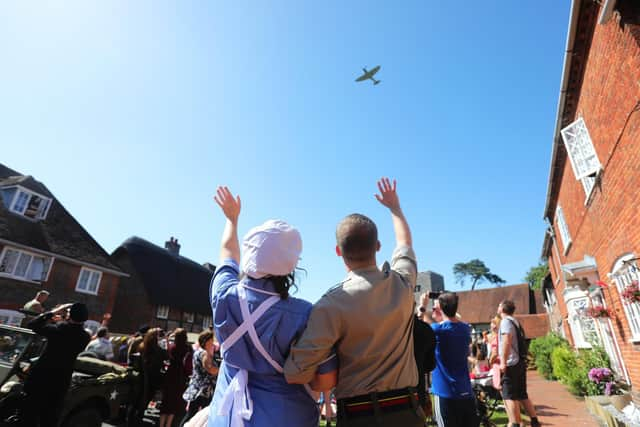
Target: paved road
555 405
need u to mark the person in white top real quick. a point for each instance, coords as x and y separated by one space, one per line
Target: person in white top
101 345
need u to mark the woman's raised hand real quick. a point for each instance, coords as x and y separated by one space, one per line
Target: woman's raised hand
230 206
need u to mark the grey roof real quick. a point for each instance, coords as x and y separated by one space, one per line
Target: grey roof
59 233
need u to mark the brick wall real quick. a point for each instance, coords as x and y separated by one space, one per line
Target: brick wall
609 226
61 286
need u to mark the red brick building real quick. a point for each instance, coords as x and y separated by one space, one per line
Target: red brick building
42 247
479 306
593 239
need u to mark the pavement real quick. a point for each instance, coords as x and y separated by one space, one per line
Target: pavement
555 405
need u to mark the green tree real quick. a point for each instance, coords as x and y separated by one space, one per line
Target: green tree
477 272
535 276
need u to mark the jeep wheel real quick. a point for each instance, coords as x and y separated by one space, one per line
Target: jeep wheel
84 417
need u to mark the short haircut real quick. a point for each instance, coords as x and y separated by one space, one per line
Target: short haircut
357 238
102 332
508 307
205 336
448 303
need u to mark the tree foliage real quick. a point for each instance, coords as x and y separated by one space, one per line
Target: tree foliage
535 276
475 271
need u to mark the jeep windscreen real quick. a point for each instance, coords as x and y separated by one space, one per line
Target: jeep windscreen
13 344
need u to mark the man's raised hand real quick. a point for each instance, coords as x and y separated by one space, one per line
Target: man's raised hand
388 196
230 206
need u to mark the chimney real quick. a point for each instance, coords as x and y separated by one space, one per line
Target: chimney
172 246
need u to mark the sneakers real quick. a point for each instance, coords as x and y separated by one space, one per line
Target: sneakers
535 422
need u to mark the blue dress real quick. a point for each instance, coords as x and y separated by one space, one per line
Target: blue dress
275 402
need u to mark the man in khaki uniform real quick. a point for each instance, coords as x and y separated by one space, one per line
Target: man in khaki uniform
368 320
35 305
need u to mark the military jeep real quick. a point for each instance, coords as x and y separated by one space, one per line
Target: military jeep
100 391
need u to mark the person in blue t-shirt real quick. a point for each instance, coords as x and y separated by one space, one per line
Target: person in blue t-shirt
453 398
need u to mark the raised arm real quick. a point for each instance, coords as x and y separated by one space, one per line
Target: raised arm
230 247
389 198
41 325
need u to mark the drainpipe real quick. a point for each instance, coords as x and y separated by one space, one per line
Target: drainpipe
607 11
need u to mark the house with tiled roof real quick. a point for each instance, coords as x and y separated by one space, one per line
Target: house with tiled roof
43 247
164 289
479 306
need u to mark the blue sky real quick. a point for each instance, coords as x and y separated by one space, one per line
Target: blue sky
132 112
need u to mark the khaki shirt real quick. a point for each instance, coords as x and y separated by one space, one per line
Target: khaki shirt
35 306
367 319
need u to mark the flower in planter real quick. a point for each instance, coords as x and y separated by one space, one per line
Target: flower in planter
631 293
605 381
609 388
596 311
598 375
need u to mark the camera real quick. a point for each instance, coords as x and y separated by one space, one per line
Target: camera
434 294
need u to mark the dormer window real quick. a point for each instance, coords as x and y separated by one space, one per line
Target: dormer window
26 202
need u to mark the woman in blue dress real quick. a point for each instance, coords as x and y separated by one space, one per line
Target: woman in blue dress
256 320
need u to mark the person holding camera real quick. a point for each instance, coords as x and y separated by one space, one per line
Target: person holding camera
454 401
368 320
50 377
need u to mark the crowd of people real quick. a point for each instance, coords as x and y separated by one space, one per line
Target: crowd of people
362 342
180 376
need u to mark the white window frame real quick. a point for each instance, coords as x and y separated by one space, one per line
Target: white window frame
563 228
188 317
588 183
207 321
622 274
21 253
582 154
14 201
551 297
578 320
91 273
162 312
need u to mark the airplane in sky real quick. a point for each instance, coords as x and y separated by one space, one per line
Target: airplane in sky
369 75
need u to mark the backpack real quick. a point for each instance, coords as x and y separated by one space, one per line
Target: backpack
523 345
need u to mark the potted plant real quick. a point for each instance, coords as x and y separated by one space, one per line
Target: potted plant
605 383
631 293
597 311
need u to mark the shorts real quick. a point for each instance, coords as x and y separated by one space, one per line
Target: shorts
514 382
